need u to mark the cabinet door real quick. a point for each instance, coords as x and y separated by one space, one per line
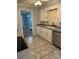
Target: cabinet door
44 33
41 32
53 16
41 15
45 14
49 35
38 30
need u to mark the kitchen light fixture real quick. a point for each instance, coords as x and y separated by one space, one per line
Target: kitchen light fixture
37 3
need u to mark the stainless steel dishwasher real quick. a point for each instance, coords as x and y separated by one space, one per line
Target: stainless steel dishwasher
57 38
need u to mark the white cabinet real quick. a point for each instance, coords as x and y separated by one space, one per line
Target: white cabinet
44 33
43 14
47 34
38 30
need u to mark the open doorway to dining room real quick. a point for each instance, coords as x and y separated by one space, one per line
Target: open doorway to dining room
27 22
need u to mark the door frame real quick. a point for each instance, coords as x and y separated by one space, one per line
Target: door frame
22 19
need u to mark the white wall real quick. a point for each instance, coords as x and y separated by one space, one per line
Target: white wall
19 19
19 23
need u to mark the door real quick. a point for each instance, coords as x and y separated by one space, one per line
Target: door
27 22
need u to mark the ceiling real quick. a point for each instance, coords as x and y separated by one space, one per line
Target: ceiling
30 3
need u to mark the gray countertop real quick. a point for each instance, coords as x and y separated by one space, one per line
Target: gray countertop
54 28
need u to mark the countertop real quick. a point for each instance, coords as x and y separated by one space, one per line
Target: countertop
50 27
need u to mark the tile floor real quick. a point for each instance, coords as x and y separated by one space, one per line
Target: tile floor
25 54
42 49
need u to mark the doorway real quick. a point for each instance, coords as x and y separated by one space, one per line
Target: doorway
27 23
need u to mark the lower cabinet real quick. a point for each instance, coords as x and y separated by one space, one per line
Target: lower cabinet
44 33
38 30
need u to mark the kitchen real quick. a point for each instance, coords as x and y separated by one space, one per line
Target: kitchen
46 25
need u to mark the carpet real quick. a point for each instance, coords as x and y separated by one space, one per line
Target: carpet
21 44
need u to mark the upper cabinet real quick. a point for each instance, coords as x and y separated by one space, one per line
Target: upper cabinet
53 16
51 13
43 14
